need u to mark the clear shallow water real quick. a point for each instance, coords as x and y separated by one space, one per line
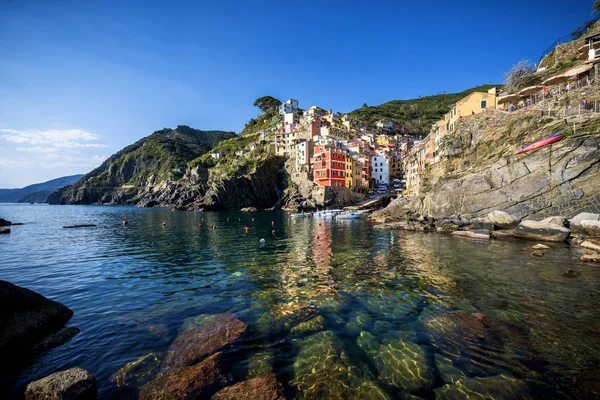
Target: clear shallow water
389 312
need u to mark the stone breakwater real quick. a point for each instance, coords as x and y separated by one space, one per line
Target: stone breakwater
581 230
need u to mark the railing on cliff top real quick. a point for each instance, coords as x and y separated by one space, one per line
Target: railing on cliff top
560 40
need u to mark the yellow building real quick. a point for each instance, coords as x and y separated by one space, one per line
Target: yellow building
353 173
474 103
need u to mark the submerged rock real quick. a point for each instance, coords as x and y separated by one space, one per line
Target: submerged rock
72 384
324 371
502 220
592 228
265 387
537 253
536 230
260 363
312 325
26 318
503 234
137 373
575 222
399 362
448 372
499 387
194 344
198 381
56 339
569 273
587 385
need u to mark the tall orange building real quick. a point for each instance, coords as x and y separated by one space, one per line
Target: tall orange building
329 166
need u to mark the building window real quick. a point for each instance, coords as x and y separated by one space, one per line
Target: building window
483 104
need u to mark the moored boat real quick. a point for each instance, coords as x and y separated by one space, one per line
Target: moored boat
349 215
327 213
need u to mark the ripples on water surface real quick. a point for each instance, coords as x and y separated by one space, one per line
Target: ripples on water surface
336 309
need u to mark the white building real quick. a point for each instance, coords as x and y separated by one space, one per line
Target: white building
290 106
380 169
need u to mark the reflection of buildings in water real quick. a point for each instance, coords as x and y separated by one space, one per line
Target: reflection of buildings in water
322 255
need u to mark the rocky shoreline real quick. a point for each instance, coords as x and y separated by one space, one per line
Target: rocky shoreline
581 230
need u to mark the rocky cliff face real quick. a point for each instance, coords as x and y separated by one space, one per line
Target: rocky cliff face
482 173
200 187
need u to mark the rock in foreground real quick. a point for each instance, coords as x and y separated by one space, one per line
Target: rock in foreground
265 387
138 372
4 222
575 222
26 318
4 230
592 228
502 220
481 234
194 344
199 381
541 231
72 384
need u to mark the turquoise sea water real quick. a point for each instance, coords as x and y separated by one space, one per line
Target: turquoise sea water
335 308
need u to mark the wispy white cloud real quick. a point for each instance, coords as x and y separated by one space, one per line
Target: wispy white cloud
51 138
53 160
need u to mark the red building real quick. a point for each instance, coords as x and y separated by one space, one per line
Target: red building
329 166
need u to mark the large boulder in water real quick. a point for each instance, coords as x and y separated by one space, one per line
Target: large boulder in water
196 343
592 228
265 387
492 387
575 222
4 230
502 220
541 231
26 318
4 222
199 381
72 384
138 372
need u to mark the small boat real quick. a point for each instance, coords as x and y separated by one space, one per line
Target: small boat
349 215
327 213
296 216
541 143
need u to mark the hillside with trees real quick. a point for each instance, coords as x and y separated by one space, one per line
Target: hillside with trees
416 115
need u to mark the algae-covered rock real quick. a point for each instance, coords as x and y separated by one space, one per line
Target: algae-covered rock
499 387
194 344
260 363
138 372
312 325
72 384
403 364
56 339
198 381
448 371
323 371
265 387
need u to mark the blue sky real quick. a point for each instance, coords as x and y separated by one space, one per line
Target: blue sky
79 80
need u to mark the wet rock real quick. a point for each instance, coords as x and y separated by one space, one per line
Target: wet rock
4 222
591 245
323 370
56 339
592 228
481 223
503 234
575 222
502 220
537 253
480 234
448 372
79 226
139 372
595 258
4 230
536 230
540 246
499 387
260 363
194 344
198 381
399 362
72 384
26 318
265 387
557 220
569 273
312 325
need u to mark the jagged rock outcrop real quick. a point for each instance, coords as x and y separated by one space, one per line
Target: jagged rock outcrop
486 175
72 384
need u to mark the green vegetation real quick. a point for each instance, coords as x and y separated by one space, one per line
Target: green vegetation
163 155
416 115
267 103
